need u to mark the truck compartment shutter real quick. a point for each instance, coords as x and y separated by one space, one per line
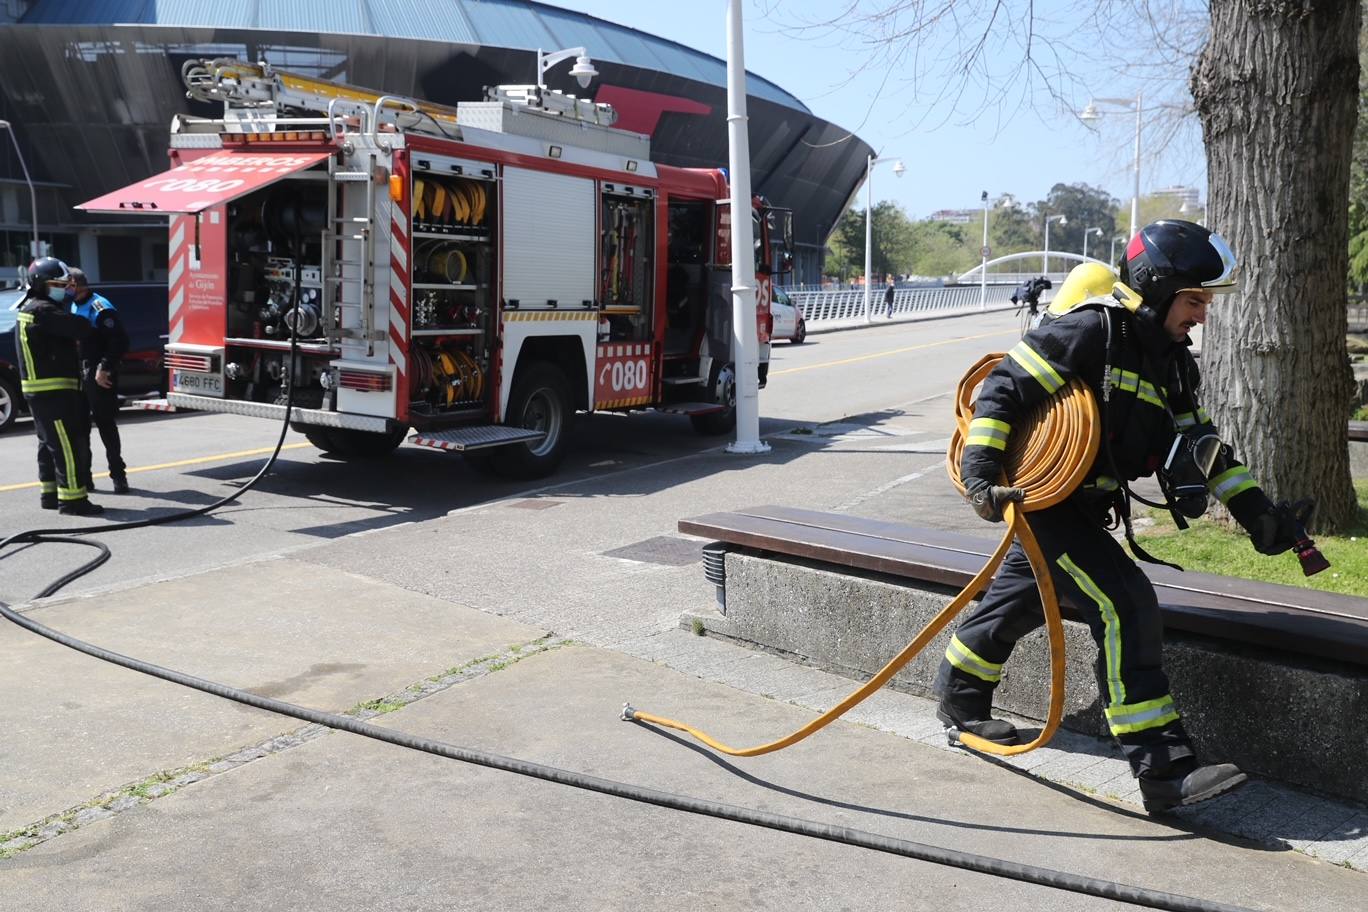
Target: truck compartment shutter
548 239
205 182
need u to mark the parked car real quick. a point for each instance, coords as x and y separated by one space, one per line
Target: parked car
788 318
143 310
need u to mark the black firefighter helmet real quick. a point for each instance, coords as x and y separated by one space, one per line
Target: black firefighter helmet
44 271
1171 255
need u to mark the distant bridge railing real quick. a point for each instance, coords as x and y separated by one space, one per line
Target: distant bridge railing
838 308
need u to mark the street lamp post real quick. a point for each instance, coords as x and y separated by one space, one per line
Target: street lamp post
33 195
983 270
1115 238
745 342
1090 113
1063 220
1096 231
898 170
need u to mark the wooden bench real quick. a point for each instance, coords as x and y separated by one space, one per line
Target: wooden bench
1358 431
1303 621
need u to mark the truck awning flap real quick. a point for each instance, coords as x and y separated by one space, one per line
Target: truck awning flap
205 182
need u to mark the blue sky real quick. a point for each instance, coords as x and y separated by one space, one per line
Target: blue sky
1000 140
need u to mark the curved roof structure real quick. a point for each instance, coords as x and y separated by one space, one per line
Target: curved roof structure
501 23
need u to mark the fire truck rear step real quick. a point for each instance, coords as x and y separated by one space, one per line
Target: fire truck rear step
150 405
477 437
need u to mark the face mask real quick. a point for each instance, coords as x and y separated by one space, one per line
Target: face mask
57 293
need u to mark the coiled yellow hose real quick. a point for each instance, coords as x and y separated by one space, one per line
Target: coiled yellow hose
1048 459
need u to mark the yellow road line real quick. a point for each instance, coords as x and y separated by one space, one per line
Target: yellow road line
895 351
198 460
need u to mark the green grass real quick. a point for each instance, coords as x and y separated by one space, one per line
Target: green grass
1209 548
1361 414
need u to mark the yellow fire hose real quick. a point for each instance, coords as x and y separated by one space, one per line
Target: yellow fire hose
1048 460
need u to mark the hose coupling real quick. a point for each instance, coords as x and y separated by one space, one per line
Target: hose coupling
628 713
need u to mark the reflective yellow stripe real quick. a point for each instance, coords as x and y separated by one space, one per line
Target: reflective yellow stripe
969 662
49 487
1125 719
1103 483
48 386
1037 367
74 489
25 320
1147 393
1186 419
1231 482
988 432
1111 628
1130 382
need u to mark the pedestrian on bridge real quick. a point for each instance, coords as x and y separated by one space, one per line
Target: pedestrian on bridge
888 299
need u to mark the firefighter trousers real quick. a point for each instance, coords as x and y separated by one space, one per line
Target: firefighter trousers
1095 577
104 415
60 419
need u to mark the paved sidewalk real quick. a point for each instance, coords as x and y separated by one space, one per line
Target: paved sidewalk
520 627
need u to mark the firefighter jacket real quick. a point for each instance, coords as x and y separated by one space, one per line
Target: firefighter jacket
1150 397
46 336
109 342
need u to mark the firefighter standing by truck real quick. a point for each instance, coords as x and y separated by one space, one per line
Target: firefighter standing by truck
1130 347
46 338
100 354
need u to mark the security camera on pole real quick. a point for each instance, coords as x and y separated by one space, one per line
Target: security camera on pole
745 343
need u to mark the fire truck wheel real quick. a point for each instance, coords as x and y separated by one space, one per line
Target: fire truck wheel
540 400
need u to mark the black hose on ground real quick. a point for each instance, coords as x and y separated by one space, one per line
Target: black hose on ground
968 861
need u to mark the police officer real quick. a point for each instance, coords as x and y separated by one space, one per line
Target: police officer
1137 338
46 338
100 355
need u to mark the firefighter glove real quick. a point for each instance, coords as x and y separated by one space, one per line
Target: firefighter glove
1279 527
987 498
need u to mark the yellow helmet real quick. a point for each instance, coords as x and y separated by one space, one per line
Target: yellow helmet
1086 280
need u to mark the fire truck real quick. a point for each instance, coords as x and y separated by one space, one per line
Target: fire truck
475 274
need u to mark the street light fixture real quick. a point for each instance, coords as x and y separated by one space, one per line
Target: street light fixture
1063 220
1192 210
898 170
33 195
1096 231
583 70
1090 114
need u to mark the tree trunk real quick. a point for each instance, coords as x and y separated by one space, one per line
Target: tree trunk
1277 90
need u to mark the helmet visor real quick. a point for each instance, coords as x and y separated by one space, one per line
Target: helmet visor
1226 281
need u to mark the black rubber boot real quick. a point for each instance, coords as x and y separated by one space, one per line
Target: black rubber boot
120 484
80 508
1202 784
958 720
49 501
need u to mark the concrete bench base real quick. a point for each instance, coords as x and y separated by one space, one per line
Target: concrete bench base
1299 721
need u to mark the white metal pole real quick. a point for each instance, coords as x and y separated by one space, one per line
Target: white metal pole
745 344
1085 245
983 269
869 232
1045 260
1135 200
33 196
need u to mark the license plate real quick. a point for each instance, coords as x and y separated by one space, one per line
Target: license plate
197 384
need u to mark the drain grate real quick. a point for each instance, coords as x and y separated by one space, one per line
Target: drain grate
663 549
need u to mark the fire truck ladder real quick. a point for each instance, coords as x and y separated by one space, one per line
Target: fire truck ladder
350 276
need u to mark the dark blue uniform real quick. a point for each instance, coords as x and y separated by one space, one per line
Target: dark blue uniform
102 350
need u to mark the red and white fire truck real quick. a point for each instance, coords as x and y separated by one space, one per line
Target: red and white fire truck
477 274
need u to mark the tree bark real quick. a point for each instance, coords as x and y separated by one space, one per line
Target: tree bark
1277 90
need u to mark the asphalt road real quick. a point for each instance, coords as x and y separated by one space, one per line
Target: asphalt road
188 460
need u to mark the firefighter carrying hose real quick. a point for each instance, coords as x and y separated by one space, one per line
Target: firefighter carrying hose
1130 345
46 337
